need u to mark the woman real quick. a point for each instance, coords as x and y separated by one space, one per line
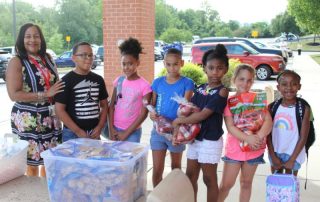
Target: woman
32 81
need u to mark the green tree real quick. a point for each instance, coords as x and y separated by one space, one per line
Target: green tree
306 14
173 34
262 28
76 19
284 23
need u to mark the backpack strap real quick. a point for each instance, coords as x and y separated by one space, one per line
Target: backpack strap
119 88
274 107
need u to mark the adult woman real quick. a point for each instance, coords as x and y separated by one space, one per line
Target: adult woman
32 81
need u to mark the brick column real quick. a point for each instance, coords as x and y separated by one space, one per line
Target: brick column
123 19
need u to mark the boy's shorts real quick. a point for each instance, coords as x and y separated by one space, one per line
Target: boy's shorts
284 158
68 134
159 142
205 151
255 161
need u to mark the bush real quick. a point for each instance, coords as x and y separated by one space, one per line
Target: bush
196 73
226 80
190 70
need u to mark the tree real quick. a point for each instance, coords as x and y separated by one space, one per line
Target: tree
284 23
306 14
174 34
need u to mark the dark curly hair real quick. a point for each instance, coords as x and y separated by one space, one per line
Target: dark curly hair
19 47
132 47
219 53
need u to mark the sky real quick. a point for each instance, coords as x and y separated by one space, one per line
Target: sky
243 11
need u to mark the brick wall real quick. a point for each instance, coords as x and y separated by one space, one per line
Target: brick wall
123 19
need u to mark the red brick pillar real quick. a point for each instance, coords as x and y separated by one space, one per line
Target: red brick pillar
123 19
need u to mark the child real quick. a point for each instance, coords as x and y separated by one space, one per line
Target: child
236 160
164 88
82 106
126 111
205 152
286 145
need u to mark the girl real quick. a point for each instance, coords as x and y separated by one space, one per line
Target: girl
126 112
164 88
205 152
235 158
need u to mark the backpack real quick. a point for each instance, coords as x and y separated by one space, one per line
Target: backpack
300 109
105 131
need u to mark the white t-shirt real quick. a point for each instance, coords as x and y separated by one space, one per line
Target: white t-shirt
285 132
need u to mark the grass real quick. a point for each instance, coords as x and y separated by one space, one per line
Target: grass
316 58
306 45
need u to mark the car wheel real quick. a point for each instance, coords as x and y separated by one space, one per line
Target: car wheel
263 72
93 66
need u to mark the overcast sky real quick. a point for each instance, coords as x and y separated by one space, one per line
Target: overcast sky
244 11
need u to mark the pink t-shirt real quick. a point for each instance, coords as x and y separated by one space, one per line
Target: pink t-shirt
128 108
232 147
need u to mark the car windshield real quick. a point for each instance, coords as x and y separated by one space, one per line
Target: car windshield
249 49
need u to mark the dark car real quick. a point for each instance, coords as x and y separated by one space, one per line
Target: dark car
3 66
247 42
100 53
65 60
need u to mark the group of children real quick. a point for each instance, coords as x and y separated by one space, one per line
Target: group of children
84 110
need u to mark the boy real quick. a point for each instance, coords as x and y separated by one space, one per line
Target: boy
286 144
164 88
82 106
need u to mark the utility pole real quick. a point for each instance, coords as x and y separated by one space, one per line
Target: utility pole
14 20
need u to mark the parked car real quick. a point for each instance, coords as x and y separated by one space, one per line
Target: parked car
287 37
265 64
65 60
159 45
157 54
3 66
100 53
247 42
9 49
283 46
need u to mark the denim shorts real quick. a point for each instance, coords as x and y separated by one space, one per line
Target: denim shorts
159 142
135 136
284 158
255 161
68 134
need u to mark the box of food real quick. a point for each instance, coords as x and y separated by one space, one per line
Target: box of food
94 170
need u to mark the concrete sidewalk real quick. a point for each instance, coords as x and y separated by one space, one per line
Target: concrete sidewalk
35 189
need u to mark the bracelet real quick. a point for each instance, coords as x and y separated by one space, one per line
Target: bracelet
40 96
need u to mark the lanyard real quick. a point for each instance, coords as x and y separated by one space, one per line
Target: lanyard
46 75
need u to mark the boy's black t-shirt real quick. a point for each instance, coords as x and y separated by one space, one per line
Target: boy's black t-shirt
82 95
211 128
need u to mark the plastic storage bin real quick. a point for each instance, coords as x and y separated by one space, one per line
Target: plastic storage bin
13 157
94 170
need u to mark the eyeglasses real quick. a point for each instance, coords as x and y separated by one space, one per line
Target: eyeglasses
85 56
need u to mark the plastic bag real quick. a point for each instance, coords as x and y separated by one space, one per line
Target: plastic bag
248 111
185 132
163 125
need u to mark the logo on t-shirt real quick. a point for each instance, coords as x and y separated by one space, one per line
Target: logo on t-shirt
87 100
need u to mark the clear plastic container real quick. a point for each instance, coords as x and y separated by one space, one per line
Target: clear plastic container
94 170
13 157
